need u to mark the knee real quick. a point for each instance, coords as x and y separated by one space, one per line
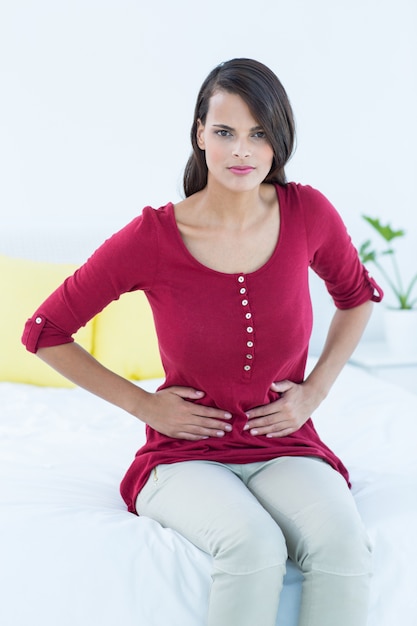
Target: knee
251 547
340 548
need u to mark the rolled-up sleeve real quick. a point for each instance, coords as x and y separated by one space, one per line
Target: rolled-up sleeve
334 257
39 332
126 262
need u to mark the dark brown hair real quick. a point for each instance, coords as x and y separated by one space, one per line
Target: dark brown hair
268 102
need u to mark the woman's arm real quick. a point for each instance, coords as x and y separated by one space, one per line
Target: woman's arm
298 401
167 411
345 331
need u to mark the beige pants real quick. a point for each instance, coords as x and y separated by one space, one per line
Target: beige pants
250 518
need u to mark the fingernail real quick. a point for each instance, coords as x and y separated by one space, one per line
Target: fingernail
246 427
228 415
200 393
254 432
228 427
220 433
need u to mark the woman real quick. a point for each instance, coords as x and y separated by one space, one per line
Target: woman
232 460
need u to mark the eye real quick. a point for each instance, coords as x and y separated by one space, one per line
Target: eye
260 134
223 133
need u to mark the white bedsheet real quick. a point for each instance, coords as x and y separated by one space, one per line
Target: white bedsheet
70 553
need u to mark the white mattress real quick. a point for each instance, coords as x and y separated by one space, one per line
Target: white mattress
70 553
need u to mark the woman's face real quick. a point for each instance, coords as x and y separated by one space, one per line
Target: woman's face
238 155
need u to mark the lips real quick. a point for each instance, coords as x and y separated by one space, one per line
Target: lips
241 170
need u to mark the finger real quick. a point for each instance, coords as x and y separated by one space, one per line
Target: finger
208 412
199 409
195 432
264 412
274 430
190 436
281 433
262 422
261 411
209 426
282 385
186 392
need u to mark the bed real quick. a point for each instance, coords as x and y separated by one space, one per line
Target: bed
71 554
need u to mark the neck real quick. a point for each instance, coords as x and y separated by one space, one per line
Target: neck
235 209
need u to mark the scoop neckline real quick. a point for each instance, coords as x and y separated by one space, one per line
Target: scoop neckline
200 265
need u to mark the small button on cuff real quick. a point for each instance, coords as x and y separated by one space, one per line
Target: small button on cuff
38 320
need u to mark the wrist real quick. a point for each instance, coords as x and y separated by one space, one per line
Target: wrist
137 402
317 388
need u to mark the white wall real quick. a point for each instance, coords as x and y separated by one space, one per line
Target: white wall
97 98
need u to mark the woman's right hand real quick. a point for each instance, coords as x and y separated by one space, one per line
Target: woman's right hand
170 413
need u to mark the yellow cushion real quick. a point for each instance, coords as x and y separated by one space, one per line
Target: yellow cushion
125 338
23 287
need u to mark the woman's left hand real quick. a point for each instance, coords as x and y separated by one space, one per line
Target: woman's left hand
285 415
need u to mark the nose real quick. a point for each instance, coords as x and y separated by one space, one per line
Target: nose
241 148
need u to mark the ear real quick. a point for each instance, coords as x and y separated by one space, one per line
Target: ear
200 135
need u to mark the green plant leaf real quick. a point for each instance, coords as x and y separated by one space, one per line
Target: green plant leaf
392 277
385 231
365 254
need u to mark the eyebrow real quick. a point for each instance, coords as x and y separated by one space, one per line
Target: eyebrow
226 127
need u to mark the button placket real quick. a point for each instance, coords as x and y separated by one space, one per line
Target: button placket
249 349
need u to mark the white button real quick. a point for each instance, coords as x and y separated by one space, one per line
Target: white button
241 279
243 290
247 368
38 320
248 316
244 302
250 344
249 329
249 356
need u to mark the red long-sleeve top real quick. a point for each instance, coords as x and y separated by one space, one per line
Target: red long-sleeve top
230 335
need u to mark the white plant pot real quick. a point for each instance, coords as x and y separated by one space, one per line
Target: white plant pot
401 332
